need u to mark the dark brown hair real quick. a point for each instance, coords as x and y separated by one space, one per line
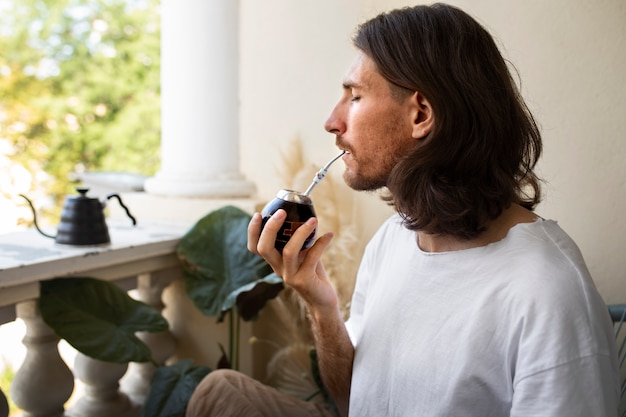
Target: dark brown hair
479 157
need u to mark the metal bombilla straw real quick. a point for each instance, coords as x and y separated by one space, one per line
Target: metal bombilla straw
319 176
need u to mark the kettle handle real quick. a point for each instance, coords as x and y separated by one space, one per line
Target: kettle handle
119 199
35 217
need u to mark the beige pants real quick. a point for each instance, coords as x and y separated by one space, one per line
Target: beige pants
227 393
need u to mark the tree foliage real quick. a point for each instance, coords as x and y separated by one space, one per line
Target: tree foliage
79 86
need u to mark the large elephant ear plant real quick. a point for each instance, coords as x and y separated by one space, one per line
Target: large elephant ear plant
220 273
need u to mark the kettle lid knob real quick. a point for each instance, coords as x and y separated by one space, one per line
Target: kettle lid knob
82 191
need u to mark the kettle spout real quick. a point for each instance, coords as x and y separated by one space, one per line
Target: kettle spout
32 207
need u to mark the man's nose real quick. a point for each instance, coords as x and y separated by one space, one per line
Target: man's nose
335 123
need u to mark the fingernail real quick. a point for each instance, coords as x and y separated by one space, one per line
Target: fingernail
311 221
279 214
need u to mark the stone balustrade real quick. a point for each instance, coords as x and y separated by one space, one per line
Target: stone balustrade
140 258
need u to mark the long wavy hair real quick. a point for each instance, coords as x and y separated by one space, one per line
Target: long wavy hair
479 158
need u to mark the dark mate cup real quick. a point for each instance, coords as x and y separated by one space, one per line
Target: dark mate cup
299 208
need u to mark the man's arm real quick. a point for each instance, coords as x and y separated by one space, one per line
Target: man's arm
335 354
304 272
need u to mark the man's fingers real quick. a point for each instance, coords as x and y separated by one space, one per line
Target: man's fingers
315 252
292 252
254 232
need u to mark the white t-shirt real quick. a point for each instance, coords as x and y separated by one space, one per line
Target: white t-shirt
514 328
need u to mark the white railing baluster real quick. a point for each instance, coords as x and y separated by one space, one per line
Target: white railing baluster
102 397
43 383
150 288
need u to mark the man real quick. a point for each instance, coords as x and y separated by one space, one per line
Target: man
466 303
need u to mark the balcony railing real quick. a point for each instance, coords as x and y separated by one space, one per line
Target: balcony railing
141 258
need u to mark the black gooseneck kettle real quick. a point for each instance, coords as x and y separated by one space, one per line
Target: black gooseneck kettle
82 220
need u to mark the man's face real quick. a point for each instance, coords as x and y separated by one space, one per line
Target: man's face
371 125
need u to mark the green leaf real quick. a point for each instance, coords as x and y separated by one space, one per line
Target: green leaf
171 388
219 270
98 318
251 298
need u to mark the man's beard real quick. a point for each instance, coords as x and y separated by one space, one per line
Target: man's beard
360 183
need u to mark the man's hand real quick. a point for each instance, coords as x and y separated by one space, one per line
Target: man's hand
300 269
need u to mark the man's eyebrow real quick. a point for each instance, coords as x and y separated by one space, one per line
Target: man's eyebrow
347 85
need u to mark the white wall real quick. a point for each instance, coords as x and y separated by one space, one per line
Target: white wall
571 56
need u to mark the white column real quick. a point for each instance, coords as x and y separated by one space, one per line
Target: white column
200 101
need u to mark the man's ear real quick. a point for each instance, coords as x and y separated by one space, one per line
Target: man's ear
423 116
